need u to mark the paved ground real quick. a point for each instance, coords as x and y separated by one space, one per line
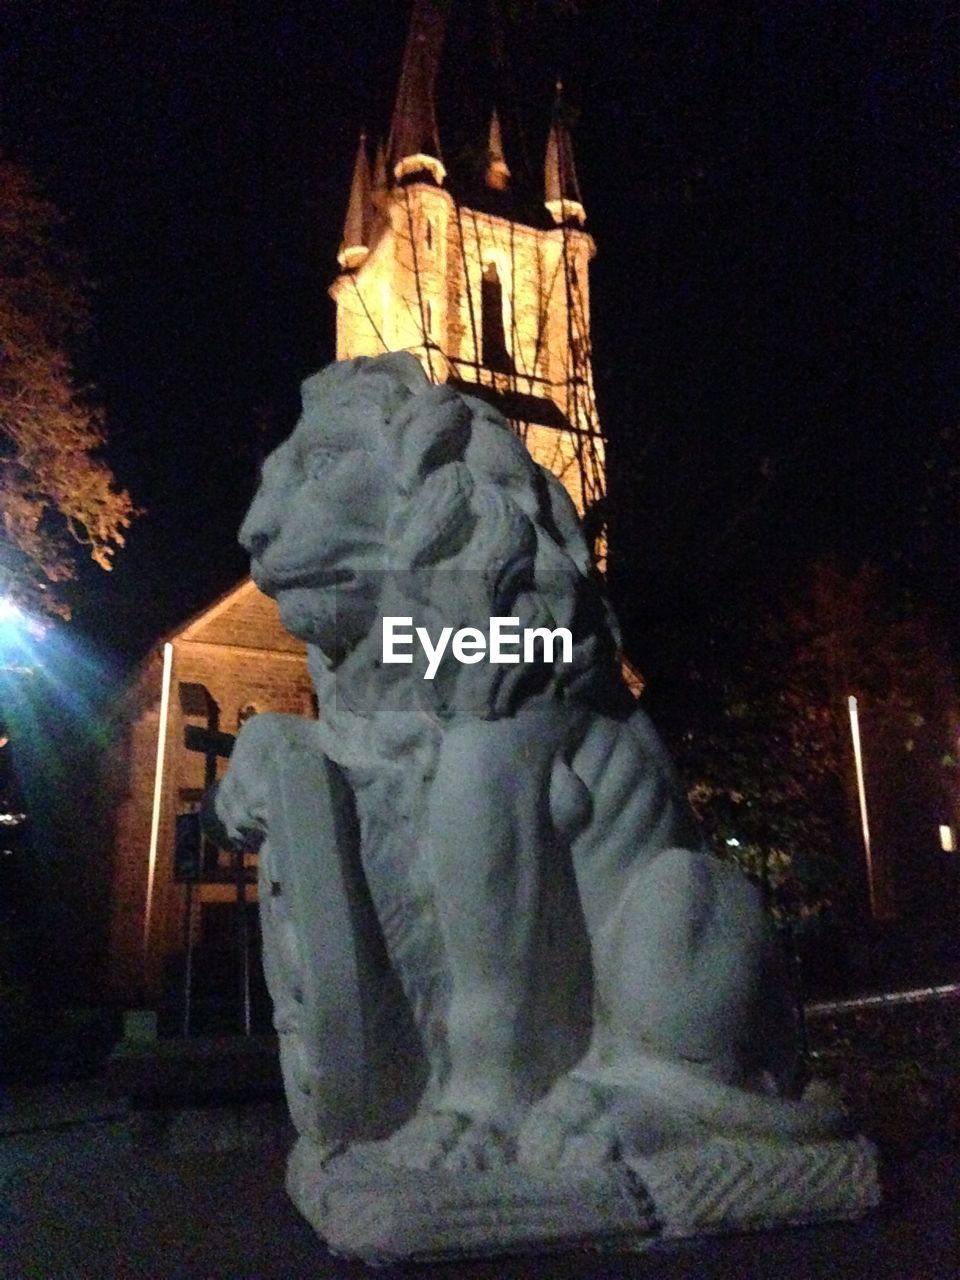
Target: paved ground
86 1193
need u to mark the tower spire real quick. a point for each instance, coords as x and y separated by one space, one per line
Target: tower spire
498 172
413 147
354 246
378 177
561 189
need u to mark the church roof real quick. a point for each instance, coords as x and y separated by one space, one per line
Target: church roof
243 618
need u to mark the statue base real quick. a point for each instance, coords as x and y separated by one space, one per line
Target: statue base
366 1209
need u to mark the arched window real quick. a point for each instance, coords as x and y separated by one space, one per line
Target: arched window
495 353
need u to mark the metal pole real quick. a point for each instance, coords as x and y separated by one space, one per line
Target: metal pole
243 939
157 798
188 967
800 1012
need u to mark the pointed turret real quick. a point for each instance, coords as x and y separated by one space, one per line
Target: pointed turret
498 172
380 182
414 144
561 189
355 244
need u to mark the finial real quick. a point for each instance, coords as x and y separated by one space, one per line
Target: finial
498 171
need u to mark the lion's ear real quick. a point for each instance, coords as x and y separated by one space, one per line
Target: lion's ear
437 523
429 431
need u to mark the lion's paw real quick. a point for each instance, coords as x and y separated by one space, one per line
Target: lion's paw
444 1140
481 1146
571 1125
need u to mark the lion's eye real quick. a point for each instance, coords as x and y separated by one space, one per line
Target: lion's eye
322 459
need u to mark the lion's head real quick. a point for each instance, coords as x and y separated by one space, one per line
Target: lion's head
393 496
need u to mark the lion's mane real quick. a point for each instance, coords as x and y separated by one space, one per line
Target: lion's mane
476 529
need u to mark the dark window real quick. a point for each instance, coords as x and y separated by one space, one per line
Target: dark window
495 353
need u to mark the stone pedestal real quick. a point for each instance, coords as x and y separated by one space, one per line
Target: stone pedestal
728 1185
366 1209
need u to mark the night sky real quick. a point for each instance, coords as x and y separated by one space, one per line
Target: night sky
773 297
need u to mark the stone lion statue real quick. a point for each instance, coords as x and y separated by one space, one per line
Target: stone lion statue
492 932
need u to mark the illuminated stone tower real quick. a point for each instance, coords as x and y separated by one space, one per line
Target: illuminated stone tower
488 294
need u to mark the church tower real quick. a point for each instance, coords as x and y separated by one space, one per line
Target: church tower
488 289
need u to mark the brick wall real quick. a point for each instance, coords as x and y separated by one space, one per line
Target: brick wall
239 652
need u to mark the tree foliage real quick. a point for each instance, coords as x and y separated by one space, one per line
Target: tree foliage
55 492
761 756
762 735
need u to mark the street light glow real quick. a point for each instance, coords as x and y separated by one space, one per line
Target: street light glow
9 612
17 628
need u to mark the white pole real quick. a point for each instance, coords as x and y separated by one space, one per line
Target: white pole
157 796
862 792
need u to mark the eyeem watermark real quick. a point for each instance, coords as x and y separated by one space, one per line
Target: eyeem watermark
504 643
